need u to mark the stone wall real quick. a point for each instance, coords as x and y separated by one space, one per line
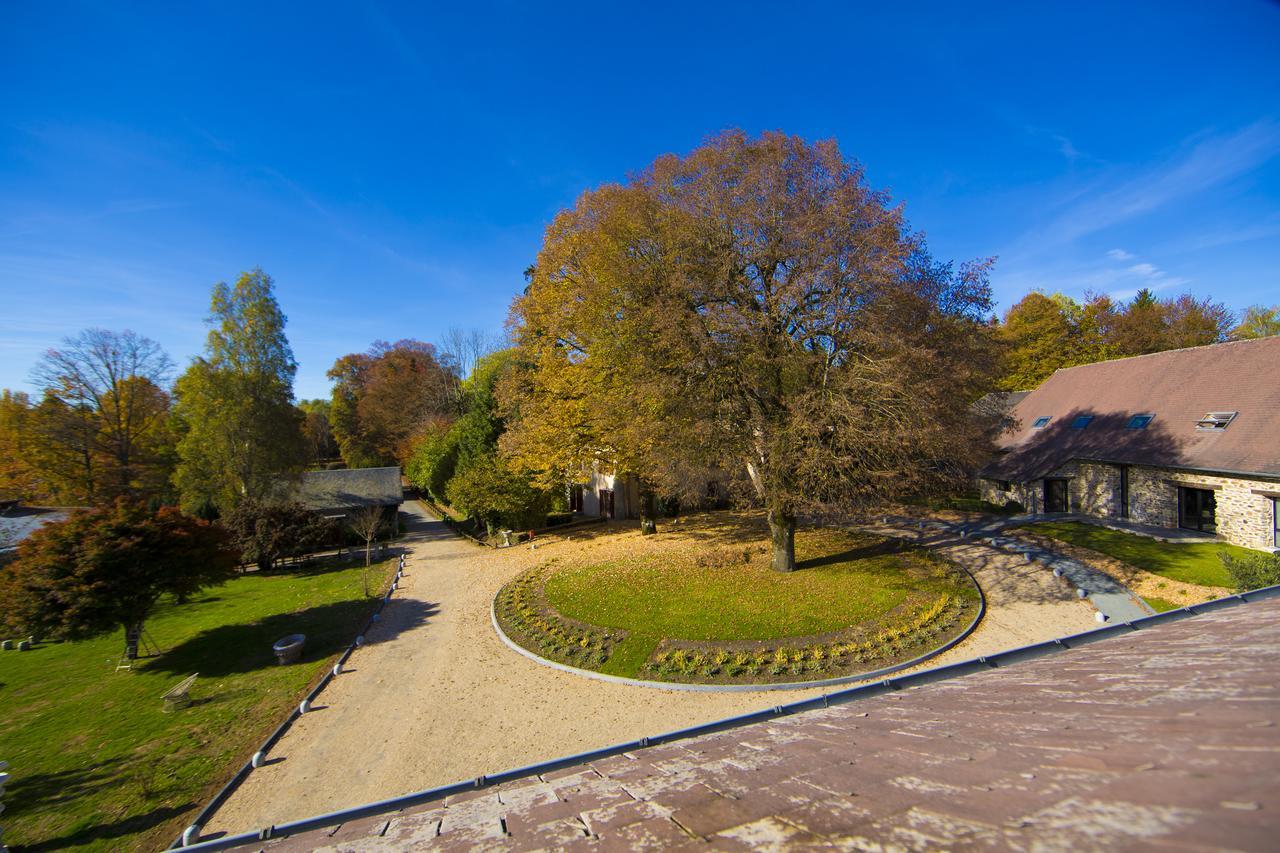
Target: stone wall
1243 518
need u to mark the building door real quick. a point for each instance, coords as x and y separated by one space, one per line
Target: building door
575 498
1055 495
1124 491
1197 509
606 503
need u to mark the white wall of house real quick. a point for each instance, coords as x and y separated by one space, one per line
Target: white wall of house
1244 516
626 494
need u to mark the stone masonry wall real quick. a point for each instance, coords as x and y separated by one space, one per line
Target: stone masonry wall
1243 517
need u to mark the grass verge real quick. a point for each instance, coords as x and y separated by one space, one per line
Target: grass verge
95 762
1189 562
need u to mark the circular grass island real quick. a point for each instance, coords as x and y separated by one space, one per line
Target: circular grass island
694 610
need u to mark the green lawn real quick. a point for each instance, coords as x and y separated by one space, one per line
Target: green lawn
95 762
1160 605
843 581
1195 562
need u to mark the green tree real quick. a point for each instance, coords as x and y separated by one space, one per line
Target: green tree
235 403
321 444
1258 321
105 569
488 490
754 305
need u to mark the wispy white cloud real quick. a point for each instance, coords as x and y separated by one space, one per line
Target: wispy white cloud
1211 161
1058 250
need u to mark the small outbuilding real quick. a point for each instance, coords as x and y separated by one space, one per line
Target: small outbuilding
342 493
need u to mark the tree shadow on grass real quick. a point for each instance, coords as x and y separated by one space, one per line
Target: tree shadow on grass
882 548
132 825
231 649
41 792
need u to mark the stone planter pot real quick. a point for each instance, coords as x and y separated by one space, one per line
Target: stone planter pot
289 649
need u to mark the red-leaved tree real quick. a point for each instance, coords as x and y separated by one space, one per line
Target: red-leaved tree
105 569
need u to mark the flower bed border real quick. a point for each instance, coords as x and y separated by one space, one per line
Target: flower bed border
751 687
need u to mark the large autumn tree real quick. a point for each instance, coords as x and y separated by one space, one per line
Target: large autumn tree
107 407
754 305
384 397
235 403
105 569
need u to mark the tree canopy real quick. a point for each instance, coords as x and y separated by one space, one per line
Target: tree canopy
1043 332
384 397
753 305
460 464
235 403
106 568
1258 321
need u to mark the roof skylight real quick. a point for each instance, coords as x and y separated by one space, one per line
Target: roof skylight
1140 421
1041 422
1081 421
1216 420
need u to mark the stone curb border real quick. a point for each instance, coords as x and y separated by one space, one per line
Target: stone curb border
744 688
191 834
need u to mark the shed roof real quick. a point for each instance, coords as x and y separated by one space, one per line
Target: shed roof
17 523
1178 388
349 488
1161 736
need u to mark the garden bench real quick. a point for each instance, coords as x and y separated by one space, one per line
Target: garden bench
179 696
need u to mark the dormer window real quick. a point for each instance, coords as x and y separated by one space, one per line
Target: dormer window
1041 422
1215 421
1140 421
1081 421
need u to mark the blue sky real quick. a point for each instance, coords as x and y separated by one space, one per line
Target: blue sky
393 165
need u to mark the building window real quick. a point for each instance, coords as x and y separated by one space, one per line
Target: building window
1124 491
1041 422
1197 509
1004 485
1275 522
1081 421
1140 421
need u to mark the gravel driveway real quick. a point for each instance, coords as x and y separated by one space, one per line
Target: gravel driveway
435 697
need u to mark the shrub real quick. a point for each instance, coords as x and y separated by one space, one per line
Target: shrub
1253 571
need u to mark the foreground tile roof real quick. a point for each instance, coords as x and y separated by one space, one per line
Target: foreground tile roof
1164 737
1177 387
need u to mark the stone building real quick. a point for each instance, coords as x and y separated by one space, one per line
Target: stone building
1187 438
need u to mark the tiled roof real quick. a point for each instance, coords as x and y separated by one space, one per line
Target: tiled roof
1178 387
349 488
20 522
1163 738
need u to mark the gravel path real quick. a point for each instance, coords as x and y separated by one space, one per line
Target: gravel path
436 697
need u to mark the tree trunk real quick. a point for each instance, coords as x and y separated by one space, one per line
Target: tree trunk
648 510
782 530
368 548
